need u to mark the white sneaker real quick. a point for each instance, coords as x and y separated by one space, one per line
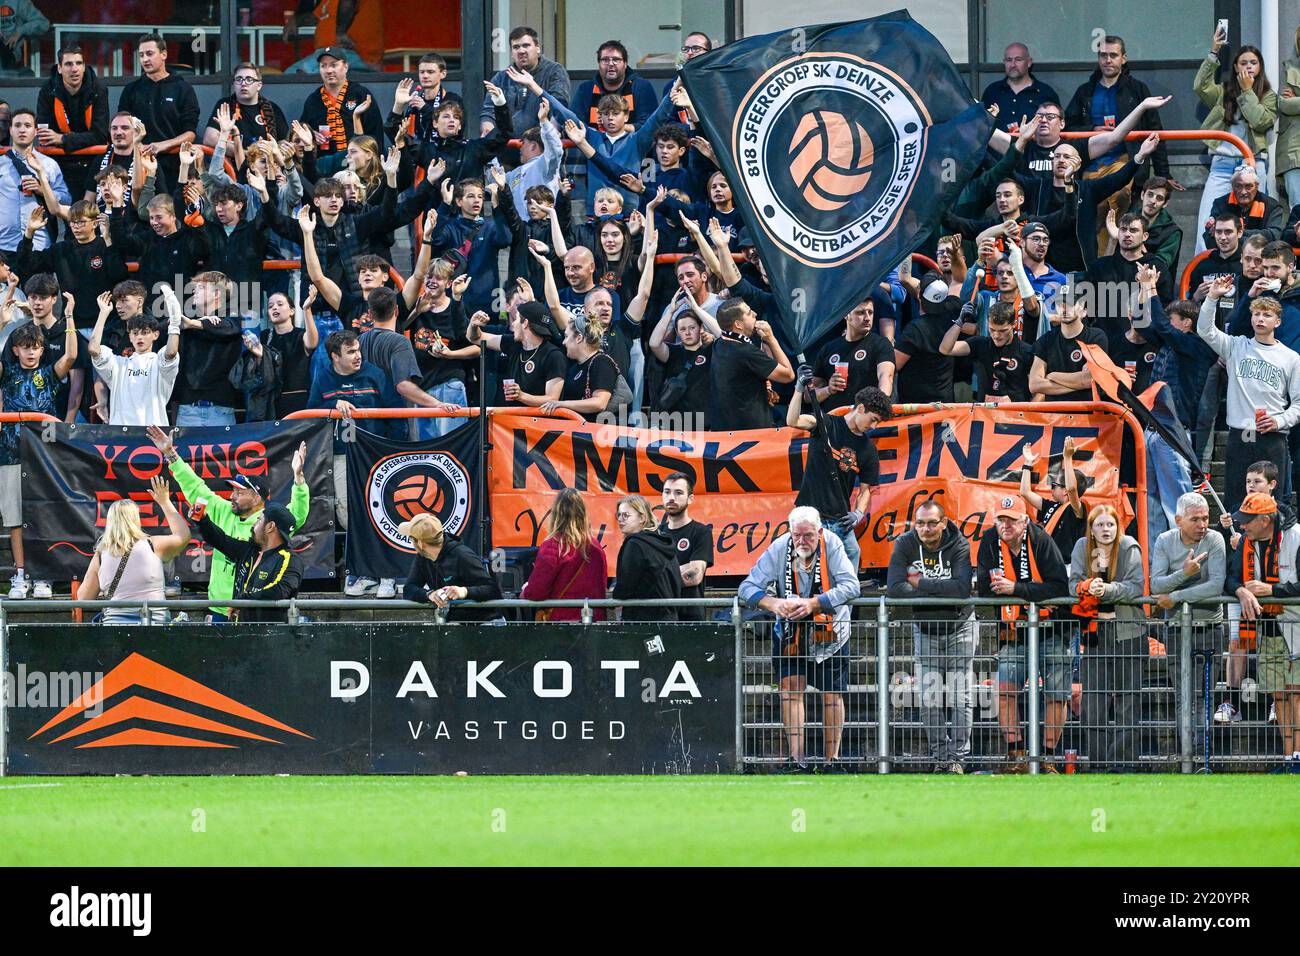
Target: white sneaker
18 585
1226 714
42 591
387 589
360 586
1272 713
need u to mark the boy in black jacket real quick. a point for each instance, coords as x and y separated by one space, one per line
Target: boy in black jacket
266 569
933 560
1018 559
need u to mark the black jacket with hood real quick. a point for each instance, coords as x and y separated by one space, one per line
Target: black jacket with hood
1129 92
1054 581
647 569
945 572
457 565
81 129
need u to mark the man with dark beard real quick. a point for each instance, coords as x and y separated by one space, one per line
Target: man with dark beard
235 517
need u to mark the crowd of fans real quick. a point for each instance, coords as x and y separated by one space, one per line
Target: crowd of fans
1054 245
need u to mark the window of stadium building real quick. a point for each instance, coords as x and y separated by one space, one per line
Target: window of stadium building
658 37
1078 29
108 34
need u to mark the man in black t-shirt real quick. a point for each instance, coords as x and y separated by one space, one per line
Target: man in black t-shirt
1064 515
1002 359
925 373
1133 353
1110 279
692 540
841 456
1060 370
255 116
533 366
738 397
295 346
867 354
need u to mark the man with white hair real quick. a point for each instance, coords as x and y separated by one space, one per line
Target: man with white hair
1261 213
1188 564
807 581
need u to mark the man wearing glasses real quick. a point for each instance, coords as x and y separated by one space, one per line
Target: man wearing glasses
256 117
695 44
614 77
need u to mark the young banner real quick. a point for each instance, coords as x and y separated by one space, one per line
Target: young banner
392 481
73 473
967 457
843 143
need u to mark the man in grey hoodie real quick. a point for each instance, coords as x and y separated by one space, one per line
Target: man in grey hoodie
933 560
807 581
1188 564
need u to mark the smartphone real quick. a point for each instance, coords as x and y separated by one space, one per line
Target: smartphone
1222 28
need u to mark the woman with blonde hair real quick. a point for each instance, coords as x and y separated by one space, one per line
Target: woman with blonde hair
446 570
363 158
647 562
1106 574
571 563
128 563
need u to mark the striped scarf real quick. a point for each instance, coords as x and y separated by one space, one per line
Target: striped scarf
334 115
819 628
1259 563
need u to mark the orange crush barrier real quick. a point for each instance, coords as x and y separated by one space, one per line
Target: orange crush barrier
967 456
8 418
1177 135
516 143
470 411
101 150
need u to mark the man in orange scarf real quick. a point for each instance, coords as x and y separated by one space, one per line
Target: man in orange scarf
1018 559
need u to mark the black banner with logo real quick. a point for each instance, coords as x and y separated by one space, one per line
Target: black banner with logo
843 143
384 698
72 474
392 481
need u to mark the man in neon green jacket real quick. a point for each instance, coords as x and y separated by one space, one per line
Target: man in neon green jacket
235 517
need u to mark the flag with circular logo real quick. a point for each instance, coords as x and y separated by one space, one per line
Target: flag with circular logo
843 143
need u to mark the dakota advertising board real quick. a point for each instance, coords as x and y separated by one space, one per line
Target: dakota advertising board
745 482
395 698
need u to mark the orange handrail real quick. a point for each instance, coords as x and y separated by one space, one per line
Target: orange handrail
12 417
1178 135
926 261
470 411
100 150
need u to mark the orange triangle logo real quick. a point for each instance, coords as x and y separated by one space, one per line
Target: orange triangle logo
139 671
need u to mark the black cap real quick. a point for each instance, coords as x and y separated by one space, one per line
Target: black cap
744 239
283 520
256 485
540 321
334 51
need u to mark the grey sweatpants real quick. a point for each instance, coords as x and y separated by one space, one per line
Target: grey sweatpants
945 680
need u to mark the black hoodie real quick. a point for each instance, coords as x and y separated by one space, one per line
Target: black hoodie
647 570
79 131
945 572
456 565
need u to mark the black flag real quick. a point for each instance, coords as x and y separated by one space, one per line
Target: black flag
843 143
390 482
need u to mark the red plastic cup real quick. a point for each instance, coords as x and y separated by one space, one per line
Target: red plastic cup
1260 415
842 370
1071 761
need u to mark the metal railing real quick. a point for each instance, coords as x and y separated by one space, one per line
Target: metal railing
897 698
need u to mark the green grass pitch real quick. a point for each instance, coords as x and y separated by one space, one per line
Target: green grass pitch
902 820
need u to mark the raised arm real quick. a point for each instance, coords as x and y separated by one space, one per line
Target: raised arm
329 289
167 546
1032 498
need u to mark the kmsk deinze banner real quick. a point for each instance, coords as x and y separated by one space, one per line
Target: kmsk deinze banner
746 481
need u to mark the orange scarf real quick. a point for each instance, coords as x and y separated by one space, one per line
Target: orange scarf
1256 207
1251 570
1010 568
334 114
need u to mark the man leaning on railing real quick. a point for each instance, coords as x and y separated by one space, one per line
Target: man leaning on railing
807 581
1018 559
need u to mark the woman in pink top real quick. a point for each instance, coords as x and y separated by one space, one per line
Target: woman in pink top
128 564
570 563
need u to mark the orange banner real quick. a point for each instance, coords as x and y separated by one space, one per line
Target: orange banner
745 482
